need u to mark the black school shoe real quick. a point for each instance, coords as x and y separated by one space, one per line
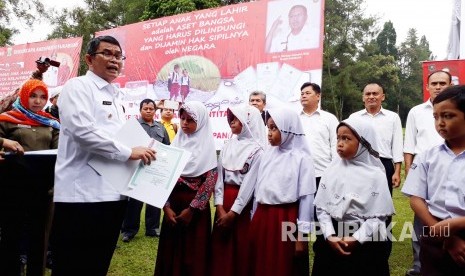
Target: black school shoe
127 238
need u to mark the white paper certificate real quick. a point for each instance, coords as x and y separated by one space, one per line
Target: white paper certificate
246 81
153 183
266 75
162 172
285 82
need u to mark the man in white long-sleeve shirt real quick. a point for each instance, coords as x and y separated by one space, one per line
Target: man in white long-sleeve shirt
88 209
319 127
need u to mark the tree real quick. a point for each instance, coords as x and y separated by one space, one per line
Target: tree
21 10
98 15
411 53
347 30
386 40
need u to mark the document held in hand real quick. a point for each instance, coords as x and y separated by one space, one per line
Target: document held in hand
159 177
152 183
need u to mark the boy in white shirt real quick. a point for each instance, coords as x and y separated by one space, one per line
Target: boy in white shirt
435 184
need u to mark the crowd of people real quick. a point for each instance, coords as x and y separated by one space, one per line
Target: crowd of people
284 175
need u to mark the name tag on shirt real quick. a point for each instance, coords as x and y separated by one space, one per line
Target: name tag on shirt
107 103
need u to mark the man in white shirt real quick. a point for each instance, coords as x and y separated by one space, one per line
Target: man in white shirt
319 127
421 135
258 99
88 209
389 128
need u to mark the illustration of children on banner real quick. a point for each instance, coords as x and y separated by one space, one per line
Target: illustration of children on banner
185 84
174 81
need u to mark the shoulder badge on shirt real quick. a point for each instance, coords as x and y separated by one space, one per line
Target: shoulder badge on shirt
245 169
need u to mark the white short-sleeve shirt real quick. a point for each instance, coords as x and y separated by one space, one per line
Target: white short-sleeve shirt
420 132
437 175
389 129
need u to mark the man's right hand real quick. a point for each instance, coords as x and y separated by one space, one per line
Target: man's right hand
143 153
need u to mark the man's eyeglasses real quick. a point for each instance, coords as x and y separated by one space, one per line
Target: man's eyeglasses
109 55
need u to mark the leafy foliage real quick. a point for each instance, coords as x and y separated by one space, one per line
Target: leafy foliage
387 39
355 54
22 10
98 15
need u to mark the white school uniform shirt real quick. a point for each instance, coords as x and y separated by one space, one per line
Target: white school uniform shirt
175 77
184 80
420 133
437 176
320 133
91 113
248 177
389 128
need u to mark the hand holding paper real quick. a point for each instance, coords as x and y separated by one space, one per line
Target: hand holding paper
151 183
146 154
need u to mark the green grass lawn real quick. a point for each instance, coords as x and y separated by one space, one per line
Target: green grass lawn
138 256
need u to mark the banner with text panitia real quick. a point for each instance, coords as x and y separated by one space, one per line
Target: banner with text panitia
218 56
18 62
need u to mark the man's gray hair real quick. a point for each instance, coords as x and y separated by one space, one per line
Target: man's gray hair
258 93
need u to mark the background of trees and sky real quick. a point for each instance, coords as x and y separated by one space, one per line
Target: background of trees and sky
358 48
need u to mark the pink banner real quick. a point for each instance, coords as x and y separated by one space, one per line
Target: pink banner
18 62
218 56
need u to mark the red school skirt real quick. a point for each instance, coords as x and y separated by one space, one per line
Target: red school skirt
271 252
184 250
229 246
185 90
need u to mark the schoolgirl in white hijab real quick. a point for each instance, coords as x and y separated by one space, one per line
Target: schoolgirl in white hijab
200 143
238 154
284 192
237 175
353 191
185 237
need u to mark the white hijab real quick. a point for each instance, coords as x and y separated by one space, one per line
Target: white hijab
251 139
286 171
358 186
200 143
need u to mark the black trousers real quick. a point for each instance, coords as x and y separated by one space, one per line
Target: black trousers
367 259
435 260
25 200
132 219
389 167
85 237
